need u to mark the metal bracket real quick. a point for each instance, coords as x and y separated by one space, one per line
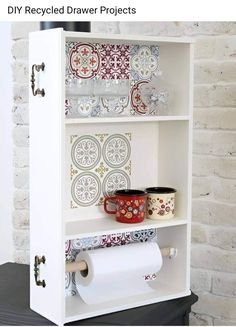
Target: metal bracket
37 261
36 68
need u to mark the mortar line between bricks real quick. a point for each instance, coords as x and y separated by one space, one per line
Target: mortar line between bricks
213 227
214 60
210 271
216 83
218 155
207 245
214 201
217 176
212 197
206 107
212 156
220 295
214 130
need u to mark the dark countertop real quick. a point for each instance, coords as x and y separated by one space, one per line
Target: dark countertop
15 309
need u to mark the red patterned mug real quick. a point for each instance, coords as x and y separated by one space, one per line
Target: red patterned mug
130 205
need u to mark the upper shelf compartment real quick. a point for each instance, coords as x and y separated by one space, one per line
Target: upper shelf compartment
127 77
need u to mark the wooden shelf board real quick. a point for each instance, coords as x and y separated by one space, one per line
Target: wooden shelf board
99 37
101 226
102 120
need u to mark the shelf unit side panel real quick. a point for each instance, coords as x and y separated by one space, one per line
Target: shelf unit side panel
46 174
190 159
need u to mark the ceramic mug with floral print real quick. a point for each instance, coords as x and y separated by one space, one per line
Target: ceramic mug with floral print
160 202
130 205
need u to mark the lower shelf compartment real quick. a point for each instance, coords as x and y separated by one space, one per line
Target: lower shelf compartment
76 309
171 282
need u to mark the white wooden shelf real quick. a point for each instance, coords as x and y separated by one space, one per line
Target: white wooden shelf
102 226
99 37
161 156
138 119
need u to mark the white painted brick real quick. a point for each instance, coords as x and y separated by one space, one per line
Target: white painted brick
21 256
214 142
21 93
21 199
207 72
20 49
222 237
204 165
204 48
20 30
213 212
223 95
218 118
20 219
227 71
209 28
224 189
202 96
226 167
200 320
20 157
224 284
21 240
21 136
202 187
152 28
105 27
21 178
215 95
209 257
20 72
199 233
225 48
217 306
200 280
224 322
21 114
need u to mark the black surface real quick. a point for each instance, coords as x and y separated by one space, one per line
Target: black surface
15 310
67 26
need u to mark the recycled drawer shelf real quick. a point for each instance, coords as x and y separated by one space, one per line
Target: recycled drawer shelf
158 153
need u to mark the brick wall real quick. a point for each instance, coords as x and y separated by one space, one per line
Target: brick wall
214 158
21 139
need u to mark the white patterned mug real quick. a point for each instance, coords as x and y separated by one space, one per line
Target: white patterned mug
160 202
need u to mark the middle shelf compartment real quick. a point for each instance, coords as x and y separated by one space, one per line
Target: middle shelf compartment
101 158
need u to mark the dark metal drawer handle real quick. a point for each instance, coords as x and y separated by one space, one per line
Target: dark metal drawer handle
37 68
37 261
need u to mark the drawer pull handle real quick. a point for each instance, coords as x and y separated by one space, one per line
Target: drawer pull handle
37 68
37 261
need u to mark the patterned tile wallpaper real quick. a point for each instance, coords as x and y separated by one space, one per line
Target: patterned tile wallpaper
109 66
100 164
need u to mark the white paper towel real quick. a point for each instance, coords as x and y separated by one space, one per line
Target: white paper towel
117 272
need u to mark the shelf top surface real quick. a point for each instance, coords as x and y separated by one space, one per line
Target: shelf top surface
124 119
102 37
102 226
128 38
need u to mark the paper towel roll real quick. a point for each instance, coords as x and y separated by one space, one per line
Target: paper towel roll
117 272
